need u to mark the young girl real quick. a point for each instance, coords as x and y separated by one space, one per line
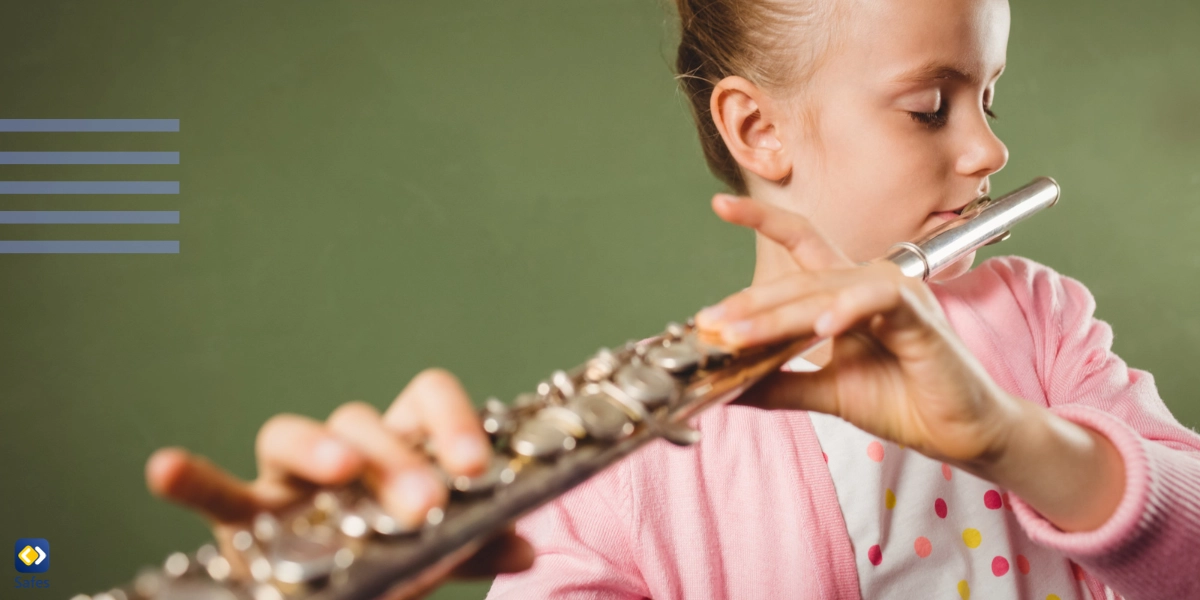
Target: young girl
972 437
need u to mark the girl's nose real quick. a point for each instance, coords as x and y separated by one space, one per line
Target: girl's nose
983 153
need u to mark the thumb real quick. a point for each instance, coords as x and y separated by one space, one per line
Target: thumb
785 390
816 390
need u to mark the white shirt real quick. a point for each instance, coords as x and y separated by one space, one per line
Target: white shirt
922 529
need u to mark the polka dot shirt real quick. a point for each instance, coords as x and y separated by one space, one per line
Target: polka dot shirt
922 529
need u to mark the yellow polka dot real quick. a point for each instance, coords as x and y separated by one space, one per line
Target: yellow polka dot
972 538
889 499
964 590
1053 597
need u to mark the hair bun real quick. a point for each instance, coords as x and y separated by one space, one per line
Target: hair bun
719 38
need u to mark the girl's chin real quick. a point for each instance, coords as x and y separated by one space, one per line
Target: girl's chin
956 268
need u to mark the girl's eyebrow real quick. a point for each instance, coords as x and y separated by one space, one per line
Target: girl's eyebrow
933 71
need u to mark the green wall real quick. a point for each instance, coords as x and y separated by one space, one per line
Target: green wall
370 188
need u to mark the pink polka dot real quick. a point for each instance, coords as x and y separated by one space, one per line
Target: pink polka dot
923 546
999 566
875 555
825 456
939 507
1022 564
946 471
875 451
991 499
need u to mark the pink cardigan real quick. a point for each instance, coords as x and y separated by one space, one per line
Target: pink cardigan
750 511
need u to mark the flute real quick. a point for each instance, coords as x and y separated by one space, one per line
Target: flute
341 545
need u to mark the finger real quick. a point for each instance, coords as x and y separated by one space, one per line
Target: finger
781 308
196 483
360 426
757 299
291 446
897 299
788 320
506 553
807 246
409 487
435 402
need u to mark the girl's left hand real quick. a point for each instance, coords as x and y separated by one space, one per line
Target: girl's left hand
898 370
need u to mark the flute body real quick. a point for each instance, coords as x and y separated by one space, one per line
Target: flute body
341 545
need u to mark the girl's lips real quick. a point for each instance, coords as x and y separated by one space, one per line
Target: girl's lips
946 215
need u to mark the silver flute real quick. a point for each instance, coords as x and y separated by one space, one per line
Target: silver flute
341 545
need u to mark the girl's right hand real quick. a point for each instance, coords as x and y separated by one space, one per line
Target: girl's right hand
296 454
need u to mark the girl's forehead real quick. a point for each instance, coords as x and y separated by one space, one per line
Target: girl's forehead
903 39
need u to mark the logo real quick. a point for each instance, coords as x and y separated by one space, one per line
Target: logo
32 555
56 185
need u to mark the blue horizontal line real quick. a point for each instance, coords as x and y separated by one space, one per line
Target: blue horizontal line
89 158
89 187
89 125
89 247
88 217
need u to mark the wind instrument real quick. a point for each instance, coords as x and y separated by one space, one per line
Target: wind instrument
341 545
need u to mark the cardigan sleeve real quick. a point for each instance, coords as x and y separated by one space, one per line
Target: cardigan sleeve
583 545
1150 546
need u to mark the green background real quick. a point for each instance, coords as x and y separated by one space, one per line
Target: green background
499 188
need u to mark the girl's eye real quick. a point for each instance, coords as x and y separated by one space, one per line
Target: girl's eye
933 120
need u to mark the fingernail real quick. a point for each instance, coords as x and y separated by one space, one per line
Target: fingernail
737 330
470 451
824 324
415 490
728 198
330 454
710 314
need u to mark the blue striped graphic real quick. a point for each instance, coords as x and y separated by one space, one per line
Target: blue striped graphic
89 187
89 125
89 158
89 247
88 217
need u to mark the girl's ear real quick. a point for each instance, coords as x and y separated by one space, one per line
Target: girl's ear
751 128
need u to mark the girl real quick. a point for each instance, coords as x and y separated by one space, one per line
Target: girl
971 437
